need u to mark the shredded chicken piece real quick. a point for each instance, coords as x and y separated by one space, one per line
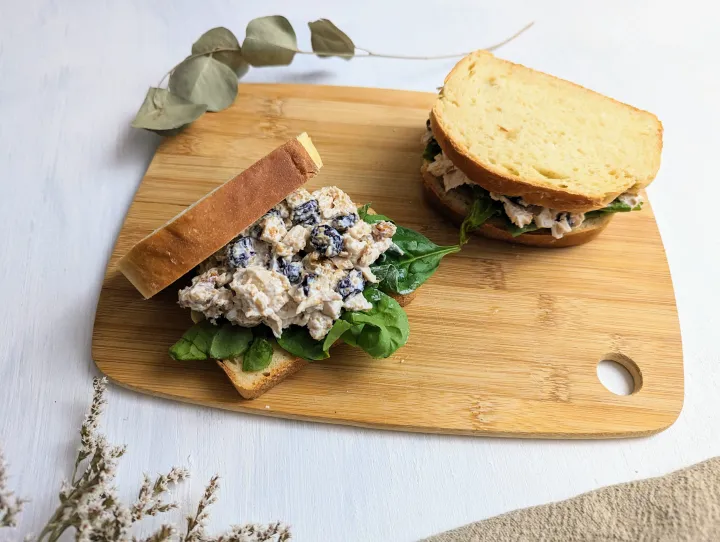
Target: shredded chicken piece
518 214
633 200
440 166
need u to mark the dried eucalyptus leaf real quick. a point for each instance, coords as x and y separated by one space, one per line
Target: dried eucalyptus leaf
269 41
222 38
166 113
328 40
204 80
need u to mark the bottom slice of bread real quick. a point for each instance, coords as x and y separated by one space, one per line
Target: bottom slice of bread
455 205
252 384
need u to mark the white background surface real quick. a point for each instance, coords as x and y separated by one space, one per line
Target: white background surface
73 73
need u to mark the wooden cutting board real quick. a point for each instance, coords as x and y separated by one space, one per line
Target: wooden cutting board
505 340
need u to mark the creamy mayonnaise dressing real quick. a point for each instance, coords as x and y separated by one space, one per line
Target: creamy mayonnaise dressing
302 263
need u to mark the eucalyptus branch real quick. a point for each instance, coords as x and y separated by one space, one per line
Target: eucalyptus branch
206 80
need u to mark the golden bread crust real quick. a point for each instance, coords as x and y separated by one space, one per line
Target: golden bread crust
202 229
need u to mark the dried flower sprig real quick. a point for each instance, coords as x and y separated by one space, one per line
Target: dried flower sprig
164 534
150 498
89 503
10 504
196 524
206 80
88 429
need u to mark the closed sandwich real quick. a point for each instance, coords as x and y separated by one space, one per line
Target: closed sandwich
523 156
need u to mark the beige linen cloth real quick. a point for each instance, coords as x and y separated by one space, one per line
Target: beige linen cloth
681 506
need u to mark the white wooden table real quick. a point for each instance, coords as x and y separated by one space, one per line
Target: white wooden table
72 75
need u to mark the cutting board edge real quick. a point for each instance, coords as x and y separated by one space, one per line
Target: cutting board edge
673 417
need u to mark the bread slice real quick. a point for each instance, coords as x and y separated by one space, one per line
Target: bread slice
455 204
519 132
205 227
253 384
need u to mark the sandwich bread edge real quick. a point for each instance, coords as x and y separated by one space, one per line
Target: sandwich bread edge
206 226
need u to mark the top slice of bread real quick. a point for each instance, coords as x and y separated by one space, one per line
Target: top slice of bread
205 227
520 132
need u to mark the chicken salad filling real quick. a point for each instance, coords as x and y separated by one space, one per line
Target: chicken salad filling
305 262
521 216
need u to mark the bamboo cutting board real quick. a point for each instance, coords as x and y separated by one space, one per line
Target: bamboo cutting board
504 339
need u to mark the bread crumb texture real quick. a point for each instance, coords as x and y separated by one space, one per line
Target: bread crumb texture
525 124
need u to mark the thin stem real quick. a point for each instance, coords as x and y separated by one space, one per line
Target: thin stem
79 486
75 470
508 40
411 57
168 74
47 530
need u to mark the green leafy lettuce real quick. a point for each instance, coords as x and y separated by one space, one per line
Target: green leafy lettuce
615 206
371 218
230 342
259 355
483 207
403 271
205 340
195 343
517 230
379 331
432 149
297 341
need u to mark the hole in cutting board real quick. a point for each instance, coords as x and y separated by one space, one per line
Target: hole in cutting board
619 374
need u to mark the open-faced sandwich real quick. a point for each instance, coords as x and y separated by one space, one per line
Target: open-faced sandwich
282 273
523 156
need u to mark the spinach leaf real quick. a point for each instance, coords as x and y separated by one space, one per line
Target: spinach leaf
336 332
516 230
298 342
381 330
615 206
230 342
432 149
258 356
350 337
195 343
371 218
363 211
205 340
482 208
420 258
